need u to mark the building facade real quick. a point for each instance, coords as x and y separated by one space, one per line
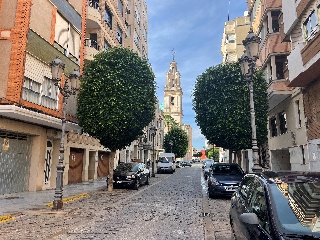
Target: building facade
235 31
32 34
301 28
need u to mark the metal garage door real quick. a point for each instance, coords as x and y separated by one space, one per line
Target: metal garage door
14 162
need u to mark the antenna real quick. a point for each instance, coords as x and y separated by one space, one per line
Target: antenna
229 11
173 52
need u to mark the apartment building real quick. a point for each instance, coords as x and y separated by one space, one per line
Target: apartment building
235 31
301 29
32 34
286 134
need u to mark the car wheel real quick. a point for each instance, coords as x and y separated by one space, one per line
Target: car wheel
136 185
147 181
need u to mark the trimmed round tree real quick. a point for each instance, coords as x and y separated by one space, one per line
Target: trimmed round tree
117 97
222 106
176 141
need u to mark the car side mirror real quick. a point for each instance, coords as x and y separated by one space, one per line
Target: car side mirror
249 218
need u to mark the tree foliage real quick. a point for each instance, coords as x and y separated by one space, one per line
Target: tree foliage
222 106
213 153
176 141
117 97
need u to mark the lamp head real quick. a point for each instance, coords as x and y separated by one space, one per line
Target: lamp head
75 79
251 43
57 68
244 63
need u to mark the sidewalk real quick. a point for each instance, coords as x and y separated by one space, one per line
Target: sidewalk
14 203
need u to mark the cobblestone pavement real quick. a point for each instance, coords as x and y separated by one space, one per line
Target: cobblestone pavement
173 206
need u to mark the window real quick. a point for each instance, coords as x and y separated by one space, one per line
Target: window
94 4
230 38
310 26
94 41
298 114
280 63
283 122
120 7
67 37
302 153
172 100
275 21
273 127
49 94
245 187
31 91
119 35
106 45
258 205
108 17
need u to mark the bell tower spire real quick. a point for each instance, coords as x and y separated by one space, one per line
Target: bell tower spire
173 92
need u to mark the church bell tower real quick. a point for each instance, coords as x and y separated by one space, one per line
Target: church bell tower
173 93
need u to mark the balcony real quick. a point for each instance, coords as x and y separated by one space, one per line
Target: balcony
278 91
91 49
93 15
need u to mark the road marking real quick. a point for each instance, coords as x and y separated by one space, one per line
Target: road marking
70 199
6 218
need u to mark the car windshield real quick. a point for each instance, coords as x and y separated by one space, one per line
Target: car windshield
127 167
297 207
226 169
163 160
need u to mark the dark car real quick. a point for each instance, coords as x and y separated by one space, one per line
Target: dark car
131 175
224 179
186 164
272 206
206 170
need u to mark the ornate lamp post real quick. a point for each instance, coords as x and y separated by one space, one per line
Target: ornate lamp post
153 131
171 145
57 68
248 63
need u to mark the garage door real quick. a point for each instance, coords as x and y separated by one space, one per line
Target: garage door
14 162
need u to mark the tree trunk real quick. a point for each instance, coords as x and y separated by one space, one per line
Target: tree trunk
111 168
230 156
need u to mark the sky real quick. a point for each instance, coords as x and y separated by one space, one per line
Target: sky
194 30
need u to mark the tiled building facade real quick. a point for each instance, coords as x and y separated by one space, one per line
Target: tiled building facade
32 34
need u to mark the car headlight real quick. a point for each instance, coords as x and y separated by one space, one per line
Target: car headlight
214 181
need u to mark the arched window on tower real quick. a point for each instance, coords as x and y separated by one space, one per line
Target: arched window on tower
172 100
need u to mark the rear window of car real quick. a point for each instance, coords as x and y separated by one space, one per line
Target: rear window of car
226 169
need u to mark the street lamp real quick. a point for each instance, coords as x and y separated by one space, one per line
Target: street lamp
171 145
57 68
248 63
153 131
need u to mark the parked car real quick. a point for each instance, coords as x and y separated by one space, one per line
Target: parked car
283 205
166 165
131 175
206 170
178 164
205 161
186 164
224 179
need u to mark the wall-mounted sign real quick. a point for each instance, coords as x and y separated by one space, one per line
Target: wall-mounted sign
5 145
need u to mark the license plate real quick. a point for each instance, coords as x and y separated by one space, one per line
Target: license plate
229 188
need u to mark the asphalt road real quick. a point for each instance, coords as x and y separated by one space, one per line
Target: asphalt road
173 206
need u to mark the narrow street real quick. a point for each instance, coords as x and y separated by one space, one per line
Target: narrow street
173 206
